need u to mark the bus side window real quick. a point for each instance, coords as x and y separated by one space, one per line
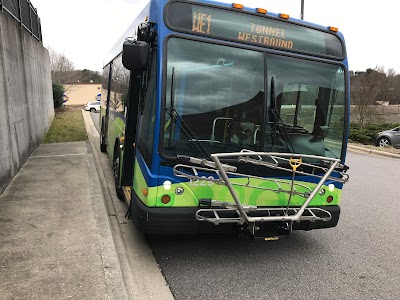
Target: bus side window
147 119
119 86
104 86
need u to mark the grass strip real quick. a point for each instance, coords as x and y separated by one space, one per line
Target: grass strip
68 126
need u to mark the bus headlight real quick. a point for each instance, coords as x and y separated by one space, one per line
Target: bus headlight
167 185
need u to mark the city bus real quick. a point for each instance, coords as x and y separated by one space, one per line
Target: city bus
221 118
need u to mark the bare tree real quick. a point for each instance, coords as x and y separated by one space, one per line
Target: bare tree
61 67
396 89
367 88
387 87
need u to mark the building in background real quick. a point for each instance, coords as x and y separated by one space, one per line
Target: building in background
80 94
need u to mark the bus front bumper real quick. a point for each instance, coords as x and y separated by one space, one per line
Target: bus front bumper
181 220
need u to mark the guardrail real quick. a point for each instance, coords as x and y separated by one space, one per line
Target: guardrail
25 14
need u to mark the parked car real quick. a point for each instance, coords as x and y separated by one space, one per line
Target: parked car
389 137
93 106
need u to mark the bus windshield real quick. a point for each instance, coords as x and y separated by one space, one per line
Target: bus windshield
225 99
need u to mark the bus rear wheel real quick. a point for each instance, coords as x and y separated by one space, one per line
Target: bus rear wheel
117 172
103 147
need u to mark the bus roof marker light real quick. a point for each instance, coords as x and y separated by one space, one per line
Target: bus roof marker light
237 5
167 185
284 16
331 187
334 29
145 192
262 10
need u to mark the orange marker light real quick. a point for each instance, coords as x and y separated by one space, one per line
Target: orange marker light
145 192
334 29
329 199
237 5
284 16
165 199
262 10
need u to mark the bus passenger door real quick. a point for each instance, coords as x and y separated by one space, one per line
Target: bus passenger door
104 106
131 130
140 120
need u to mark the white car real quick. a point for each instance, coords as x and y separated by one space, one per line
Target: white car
93 106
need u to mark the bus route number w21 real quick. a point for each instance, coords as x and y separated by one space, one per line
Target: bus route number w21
202 181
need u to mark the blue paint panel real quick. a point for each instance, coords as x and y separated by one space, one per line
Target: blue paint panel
151 179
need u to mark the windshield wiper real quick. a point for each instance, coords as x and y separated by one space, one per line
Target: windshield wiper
172 105
185 128
278 119
188 132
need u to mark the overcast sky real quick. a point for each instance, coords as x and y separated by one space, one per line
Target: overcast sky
85 30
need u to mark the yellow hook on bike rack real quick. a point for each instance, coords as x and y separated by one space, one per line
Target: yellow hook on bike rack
295 163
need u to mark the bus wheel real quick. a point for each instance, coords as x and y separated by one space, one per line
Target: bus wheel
103 147
117 173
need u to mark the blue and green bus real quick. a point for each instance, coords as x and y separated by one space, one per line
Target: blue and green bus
223 118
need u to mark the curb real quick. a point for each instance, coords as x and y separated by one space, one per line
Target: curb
372 151
141 274
125 270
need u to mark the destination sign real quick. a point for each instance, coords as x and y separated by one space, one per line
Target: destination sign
251 29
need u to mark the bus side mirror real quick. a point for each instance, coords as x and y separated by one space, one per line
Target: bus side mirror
135 55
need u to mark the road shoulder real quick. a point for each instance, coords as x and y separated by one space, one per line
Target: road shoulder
142 276
365 150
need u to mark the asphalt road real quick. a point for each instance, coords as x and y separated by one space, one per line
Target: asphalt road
359 259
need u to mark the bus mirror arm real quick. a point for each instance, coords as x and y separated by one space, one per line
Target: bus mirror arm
135 55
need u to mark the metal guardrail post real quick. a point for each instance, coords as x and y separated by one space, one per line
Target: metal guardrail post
36 25
20 13
39 29
30 17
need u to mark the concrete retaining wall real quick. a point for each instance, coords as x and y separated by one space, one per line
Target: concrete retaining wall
26 98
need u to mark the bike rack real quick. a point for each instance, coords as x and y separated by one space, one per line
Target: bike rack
216 211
